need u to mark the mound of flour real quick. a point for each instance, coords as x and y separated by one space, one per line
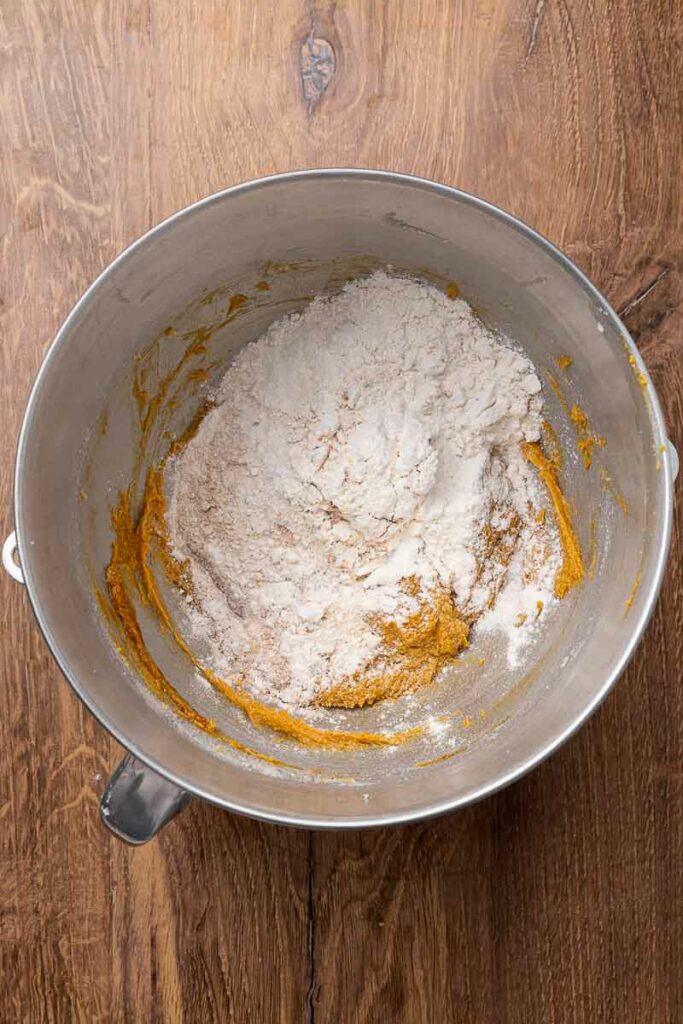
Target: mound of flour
373 437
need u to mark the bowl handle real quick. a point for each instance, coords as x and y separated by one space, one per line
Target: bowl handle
137 803
9 558
673 459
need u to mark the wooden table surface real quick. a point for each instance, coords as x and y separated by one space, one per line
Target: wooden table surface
560 899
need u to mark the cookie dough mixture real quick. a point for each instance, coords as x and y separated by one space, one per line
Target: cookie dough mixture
357 507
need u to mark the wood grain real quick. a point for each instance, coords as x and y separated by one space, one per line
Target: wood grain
558 900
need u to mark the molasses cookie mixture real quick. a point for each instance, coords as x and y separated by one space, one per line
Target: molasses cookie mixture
360 504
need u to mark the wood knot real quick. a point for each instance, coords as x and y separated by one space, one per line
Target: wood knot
318 64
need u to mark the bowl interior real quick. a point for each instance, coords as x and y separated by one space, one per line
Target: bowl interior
304 235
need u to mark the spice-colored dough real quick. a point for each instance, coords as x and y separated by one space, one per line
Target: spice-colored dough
415 651
572 570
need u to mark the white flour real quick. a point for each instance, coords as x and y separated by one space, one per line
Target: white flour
375 436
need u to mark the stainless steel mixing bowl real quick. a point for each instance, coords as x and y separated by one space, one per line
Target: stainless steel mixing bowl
305 233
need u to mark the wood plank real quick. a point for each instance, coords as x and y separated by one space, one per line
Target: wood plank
90 930
558 900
